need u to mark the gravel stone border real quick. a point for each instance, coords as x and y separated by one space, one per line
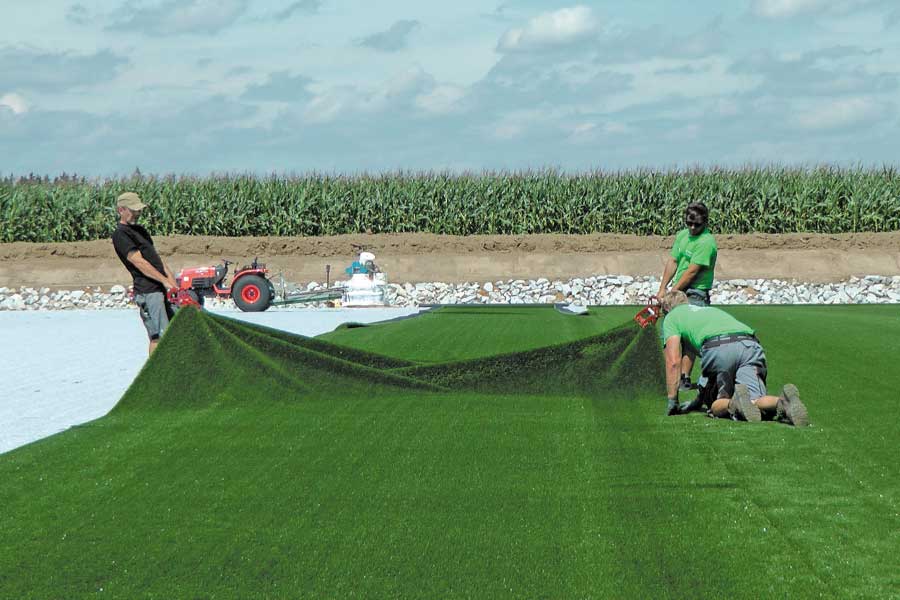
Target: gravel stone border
594 290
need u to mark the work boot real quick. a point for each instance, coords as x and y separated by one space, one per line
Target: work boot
740 406
790 409
686 385
691 406
671 407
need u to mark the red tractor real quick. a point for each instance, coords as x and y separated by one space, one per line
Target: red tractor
250 289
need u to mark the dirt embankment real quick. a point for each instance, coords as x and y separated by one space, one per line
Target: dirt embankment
428 257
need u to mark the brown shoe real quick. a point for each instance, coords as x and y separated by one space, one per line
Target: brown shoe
740 406
790 409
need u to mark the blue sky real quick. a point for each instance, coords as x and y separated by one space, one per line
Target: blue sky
291 86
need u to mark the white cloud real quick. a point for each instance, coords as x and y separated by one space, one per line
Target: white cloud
14 102
406 83
523 122
27 68
177 17
840 113
685 133
782 9
392 40
507 131
409 90
589 132
550 29
442 99
725 107
786 9
327 106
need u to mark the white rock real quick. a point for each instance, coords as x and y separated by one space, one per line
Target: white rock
14 302
488 287
117 289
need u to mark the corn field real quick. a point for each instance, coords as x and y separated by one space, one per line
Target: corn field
750 200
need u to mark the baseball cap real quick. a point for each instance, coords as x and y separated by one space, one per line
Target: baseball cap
131 201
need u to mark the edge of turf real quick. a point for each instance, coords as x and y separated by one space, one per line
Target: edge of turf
573 366
362 357
194 338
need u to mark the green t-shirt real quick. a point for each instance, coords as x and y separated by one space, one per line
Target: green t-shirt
699 250
695 324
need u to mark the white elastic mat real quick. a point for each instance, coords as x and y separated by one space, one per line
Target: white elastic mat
64 368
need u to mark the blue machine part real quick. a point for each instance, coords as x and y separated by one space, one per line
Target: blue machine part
356 267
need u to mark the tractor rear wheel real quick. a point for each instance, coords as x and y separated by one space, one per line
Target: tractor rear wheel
252 293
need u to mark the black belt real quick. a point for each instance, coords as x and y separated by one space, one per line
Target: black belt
718 340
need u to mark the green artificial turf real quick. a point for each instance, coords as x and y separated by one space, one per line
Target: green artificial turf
532 461
462 332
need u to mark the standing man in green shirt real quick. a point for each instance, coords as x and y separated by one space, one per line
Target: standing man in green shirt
692 262
732 361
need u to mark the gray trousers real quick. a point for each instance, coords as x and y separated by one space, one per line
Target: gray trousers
697 297
723 366
156 312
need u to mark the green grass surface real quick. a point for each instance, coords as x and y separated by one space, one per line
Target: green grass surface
247 463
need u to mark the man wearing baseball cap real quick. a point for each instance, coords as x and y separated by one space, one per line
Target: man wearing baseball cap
151 276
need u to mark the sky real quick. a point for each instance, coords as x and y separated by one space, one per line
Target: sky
296 86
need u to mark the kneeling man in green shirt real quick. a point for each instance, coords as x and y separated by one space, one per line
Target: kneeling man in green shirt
732 361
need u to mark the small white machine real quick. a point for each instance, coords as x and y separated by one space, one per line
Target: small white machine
367 285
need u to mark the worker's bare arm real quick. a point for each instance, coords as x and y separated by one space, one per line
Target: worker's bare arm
673 365
137 259
687 277
668 273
